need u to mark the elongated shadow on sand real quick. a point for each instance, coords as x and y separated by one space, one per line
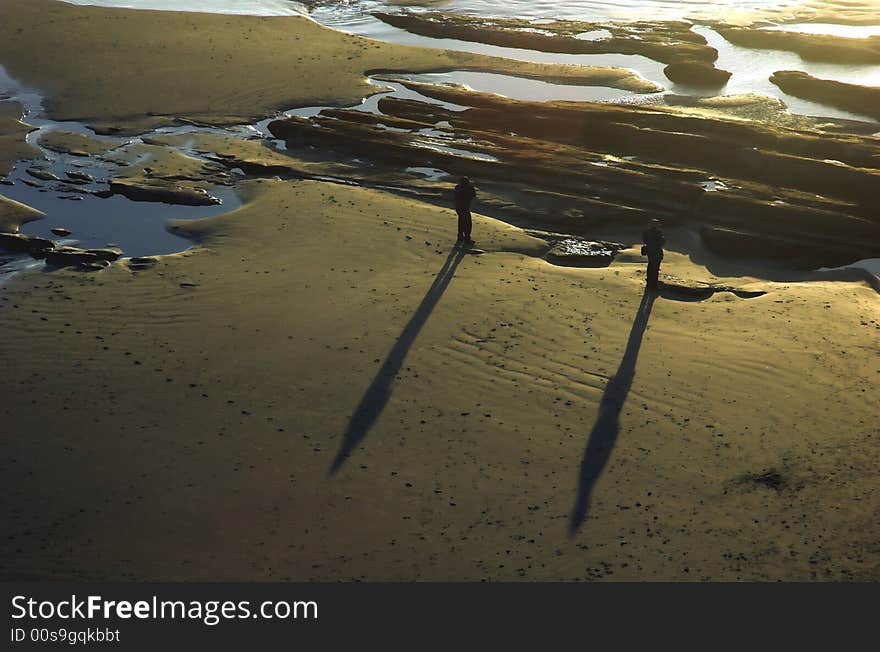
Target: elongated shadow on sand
604 434
377 395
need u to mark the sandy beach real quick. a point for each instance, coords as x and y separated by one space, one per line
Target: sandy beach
324 387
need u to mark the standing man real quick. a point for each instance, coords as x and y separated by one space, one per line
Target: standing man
653 248
464 195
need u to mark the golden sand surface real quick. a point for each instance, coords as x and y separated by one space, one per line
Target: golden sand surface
13 147
203 403
13 214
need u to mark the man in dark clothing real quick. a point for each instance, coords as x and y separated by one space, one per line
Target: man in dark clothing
464 195
653 248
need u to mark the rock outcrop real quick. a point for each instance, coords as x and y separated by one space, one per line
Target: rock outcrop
812 47
751 185
700 74
864 100
48 250
666 42
144 189
71 256
76 144
42 175
28 244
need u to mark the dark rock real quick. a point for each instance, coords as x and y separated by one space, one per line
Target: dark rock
798 198
681 291
95 266
699 74
165 192
70 256
372 118
43 175
80 176
583 253
864 100
742 243
140 263
61 232
663 42
36 247
414 112
811 47
108 254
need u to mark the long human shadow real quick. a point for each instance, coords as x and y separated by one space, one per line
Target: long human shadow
604 434
377 395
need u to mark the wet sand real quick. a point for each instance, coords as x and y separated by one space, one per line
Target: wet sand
325 389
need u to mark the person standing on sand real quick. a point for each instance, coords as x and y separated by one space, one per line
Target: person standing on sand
464 195
653 248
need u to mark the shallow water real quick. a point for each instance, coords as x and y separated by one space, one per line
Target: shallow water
848 31
138 228
752 70
531 90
